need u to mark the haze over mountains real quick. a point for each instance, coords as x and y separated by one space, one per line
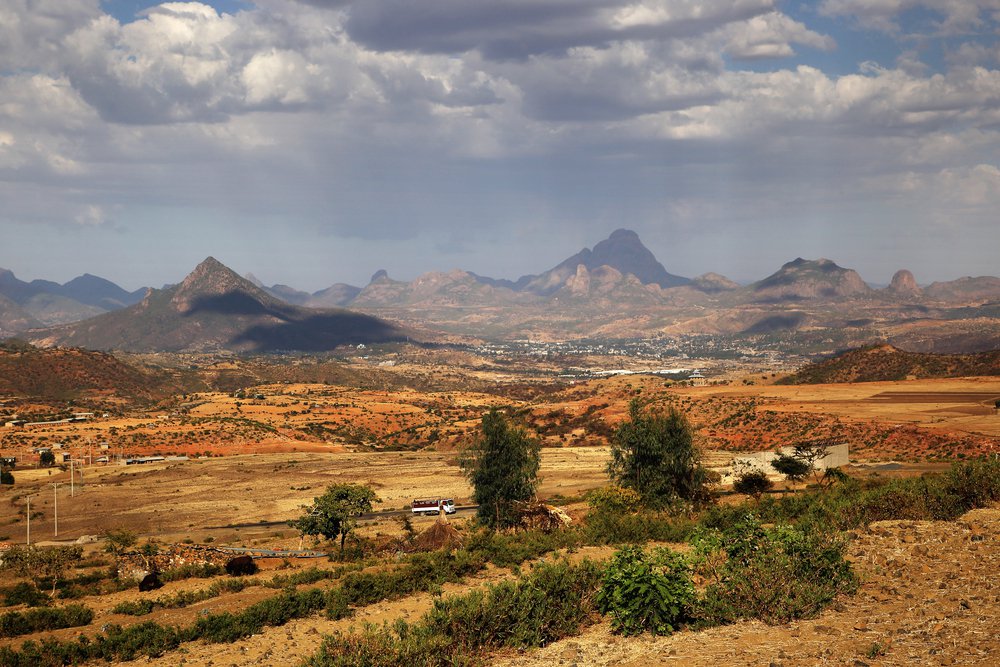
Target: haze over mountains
617 289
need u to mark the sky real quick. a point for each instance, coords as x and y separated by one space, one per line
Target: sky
312 142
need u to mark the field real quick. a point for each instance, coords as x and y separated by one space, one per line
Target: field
255 457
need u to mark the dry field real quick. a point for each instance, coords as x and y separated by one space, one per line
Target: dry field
246 500
927 598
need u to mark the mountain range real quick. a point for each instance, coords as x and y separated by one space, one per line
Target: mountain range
213 308
616 289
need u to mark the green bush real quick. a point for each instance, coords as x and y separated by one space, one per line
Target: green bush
137 608
16 623
26 594
646 591
774 574
551 602
608 527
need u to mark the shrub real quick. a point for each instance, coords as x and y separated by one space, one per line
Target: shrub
26 594
553 601
646 591
774 574
137 608
753 483
15 623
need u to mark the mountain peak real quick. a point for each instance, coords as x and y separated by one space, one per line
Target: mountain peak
904 284
212 278
810 279
623 234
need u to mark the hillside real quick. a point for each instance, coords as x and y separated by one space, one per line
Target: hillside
69 373
882 363
216 309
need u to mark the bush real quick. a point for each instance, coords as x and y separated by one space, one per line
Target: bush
137 608
753 483
26 594
553 601
774 574
646 591
15 623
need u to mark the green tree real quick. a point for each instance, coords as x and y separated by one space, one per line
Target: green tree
336 511
792 467
39 563
46 459
654 454
502 466
753 483
117 542
6 477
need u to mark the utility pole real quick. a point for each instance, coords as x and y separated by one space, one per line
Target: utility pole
28 499
55 501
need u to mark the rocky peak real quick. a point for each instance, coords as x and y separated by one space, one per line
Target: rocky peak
212 278
904 284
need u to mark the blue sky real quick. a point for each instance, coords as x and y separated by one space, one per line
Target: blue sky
314 142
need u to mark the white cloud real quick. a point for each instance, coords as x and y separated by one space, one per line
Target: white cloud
771 36
956 16
385 118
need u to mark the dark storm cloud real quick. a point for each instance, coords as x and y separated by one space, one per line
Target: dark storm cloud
513 29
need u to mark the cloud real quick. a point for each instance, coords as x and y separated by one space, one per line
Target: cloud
771 36
513 29
32 31
957 16
399 120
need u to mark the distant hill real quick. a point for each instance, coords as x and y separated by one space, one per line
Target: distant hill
213 309
14 318
885 363
66 374
334 296
96 291
49 303
963 290
809 279
622 251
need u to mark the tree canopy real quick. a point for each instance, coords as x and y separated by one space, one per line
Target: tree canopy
336 511
654 454
502 466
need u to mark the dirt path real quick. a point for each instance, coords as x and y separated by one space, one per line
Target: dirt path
929 597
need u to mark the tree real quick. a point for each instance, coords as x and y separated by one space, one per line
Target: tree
39 563
502 466
752 483
117 542
6 477
802 461
793 468
336 511
46 459
654 454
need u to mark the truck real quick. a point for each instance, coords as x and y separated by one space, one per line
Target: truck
432 505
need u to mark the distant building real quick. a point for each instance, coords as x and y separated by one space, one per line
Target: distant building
697 379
